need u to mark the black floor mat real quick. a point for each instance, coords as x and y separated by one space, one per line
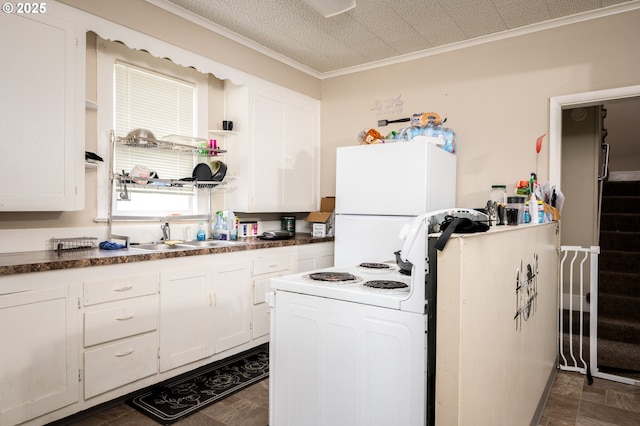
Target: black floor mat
177 399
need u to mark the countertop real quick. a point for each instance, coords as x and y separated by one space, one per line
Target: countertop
47 260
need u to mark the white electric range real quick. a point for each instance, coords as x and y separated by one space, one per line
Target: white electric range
355 345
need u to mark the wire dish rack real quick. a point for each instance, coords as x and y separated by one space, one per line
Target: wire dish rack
77 243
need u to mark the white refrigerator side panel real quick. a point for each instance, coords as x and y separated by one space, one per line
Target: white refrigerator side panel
367 238
402 178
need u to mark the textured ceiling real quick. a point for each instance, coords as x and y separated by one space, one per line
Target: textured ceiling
375 30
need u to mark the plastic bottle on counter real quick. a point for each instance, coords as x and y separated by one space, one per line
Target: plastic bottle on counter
540 212
533 208
527 214
201 235
218 227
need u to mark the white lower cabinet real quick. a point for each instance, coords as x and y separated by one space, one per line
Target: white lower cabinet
76 338
232 299
204 309
265 267
186 302
120 331
39 350
118 363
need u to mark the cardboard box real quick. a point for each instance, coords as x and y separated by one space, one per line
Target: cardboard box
322 221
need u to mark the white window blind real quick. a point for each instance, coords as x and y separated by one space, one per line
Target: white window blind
164 105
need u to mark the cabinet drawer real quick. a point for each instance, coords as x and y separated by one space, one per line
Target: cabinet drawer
118 288
119 363
265 265
116 320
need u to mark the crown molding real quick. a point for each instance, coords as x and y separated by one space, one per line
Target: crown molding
555 23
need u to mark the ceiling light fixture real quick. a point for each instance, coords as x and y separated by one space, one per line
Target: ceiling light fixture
328 8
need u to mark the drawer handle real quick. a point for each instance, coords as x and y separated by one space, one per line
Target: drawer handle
125 318
273 265
125 353
127 288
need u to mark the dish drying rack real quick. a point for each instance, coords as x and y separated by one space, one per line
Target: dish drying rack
71 244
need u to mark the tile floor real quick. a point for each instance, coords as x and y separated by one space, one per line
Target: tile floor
572 402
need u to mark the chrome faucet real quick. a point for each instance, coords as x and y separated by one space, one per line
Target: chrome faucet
166 231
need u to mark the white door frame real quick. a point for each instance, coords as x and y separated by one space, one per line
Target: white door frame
558 103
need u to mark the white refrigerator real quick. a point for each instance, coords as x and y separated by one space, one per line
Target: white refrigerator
381 187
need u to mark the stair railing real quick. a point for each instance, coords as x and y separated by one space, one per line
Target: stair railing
590 368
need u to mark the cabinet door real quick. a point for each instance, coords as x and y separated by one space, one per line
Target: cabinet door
42 112
300 171
232 313
185 310
268 136
39 353
314 256
277 156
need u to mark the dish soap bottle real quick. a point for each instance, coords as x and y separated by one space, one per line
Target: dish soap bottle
218 228
201 235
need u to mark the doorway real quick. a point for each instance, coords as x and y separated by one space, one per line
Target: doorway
576 134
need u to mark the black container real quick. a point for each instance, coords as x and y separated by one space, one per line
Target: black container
288 223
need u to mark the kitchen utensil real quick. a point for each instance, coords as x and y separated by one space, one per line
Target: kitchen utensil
218 170
385 122
142 136
202 172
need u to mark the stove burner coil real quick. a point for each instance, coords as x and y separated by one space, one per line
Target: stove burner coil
385 284
373 265
333 276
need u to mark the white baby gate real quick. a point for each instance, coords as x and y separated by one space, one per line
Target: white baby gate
580 255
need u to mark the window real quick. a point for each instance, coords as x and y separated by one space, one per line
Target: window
165 98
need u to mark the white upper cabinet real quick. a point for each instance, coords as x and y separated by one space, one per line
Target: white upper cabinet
275 154
42 89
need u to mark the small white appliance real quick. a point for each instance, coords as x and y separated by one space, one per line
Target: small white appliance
379 188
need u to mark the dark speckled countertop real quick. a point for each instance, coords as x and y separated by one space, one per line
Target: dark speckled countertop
34 261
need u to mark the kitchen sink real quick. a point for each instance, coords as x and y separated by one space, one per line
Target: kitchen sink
157 247
183 246
208 243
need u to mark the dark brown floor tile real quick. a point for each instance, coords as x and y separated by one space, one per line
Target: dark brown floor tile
561 407
199 419
102 416
257 393
607 414
568 384
610 385
585 421
236 411
556 422
593 394
133 419
623 400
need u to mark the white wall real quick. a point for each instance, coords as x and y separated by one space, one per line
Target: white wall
496 97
